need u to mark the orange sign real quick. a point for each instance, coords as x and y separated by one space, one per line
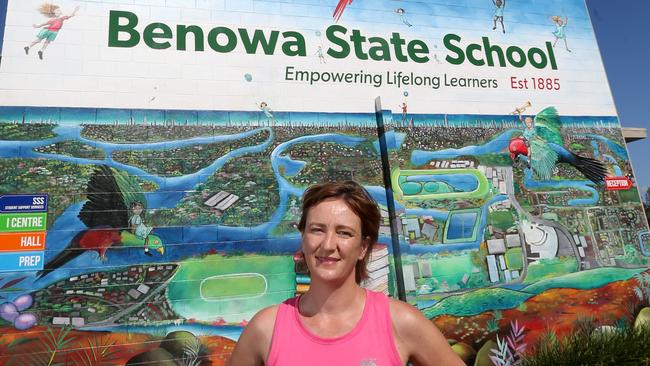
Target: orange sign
22 241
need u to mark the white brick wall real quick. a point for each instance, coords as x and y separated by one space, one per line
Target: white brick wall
81 49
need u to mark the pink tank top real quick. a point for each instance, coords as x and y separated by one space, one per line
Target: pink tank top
369 343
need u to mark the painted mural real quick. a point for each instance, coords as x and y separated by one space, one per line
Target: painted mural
487 239
151 190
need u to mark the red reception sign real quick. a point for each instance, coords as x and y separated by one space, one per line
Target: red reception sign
617 183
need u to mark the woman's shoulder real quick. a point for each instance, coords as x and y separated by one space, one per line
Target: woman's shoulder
255 341
404 315
262 323
418 338
409 323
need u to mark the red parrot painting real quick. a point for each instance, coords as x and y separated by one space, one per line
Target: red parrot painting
105 213
542 147
97 239
340 8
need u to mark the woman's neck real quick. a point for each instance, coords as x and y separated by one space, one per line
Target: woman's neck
325 299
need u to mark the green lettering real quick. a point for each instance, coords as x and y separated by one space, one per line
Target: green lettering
397 41
460 56
417 47
331 36
259 38
488 53
114 29
470 54
214 43
551 55
295 47
182 31
149 35
357 39
510 54
381 52
543 59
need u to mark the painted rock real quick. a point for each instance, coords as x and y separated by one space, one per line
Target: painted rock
483 355
156 356
465 352
179 342
605 330
23 302
25 321
8 311
643 319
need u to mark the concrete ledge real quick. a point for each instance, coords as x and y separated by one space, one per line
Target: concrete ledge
634 133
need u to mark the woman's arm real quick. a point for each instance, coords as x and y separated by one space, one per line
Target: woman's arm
254 343
419 339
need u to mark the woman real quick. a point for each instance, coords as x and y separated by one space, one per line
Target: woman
337 322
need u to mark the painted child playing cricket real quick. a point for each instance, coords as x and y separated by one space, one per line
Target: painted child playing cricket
51 28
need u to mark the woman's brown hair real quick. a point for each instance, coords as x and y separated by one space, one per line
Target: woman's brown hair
359 201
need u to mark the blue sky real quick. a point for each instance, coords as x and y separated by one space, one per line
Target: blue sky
621 30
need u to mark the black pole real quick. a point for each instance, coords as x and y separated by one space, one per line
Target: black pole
390 202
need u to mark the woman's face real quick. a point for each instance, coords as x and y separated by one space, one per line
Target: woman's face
332 241
57 12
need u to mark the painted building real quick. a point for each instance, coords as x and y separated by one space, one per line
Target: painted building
154 153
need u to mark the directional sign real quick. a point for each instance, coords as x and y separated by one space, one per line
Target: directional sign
11 242
21 261
23 222
618 183
23 225
23 203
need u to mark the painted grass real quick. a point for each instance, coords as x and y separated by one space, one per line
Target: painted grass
229 299
550 268
514 258
476 302
481 191
625 346
481 300
584 280
235 286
